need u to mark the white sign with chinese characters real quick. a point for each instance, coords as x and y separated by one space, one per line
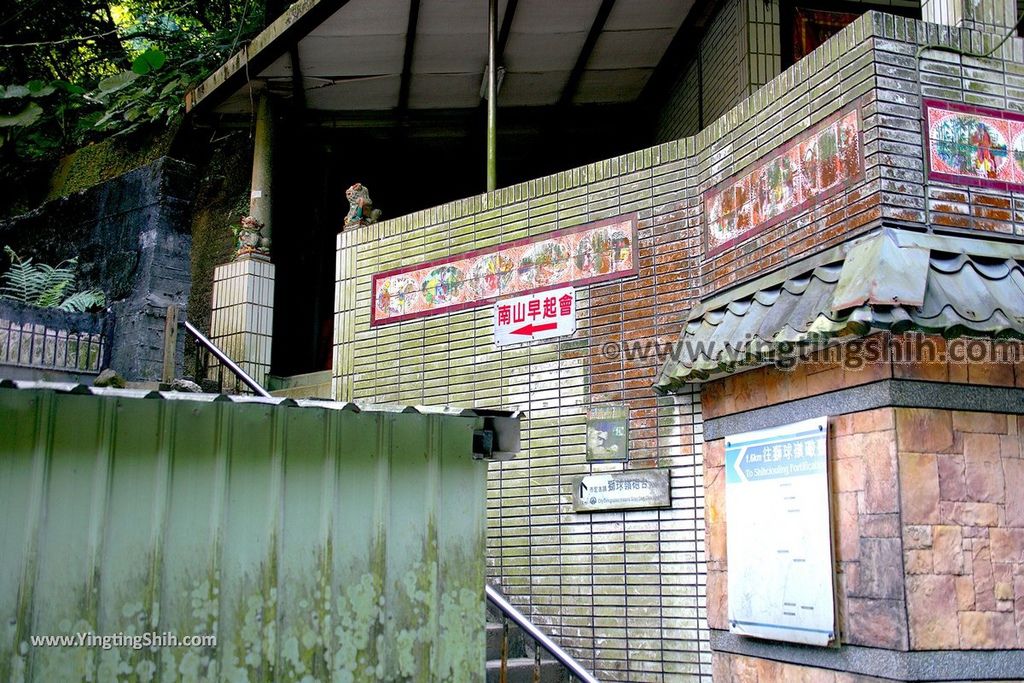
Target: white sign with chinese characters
779 535
542 315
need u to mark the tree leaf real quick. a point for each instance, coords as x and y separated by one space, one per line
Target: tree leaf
170 87
26 117
117 81
13 91
39 88
69 87
150 60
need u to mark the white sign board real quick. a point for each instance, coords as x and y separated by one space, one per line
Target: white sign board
629 490
781 577
542 315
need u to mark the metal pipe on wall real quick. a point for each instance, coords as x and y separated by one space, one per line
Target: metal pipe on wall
492 96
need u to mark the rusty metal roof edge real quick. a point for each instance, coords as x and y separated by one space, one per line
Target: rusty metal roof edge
352 406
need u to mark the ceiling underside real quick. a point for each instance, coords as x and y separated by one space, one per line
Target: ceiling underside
356 60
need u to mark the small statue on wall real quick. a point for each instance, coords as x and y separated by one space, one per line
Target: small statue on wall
250 240
360 207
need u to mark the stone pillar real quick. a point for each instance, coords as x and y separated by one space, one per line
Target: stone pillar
242 323
260 200
993 16
928 521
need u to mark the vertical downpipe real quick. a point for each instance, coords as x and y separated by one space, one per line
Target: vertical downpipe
492 96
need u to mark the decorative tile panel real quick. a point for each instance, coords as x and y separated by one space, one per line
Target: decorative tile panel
589 253
970 145
785 182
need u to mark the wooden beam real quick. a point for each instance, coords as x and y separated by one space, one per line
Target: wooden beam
246 64
576 75
506 28
170 344
410 43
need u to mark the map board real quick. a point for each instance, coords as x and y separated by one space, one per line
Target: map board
778 531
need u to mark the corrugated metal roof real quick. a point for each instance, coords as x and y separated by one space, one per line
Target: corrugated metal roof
355 406
331 543
893 280
503 425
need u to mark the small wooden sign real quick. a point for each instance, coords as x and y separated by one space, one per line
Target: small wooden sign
631 490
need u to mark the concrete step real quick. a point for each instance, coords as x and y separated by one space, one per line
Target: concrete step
520 670
308 385
516 641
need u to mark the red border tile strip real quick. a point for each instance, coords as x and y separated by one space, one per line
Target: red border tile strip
585 254
812 166
975 146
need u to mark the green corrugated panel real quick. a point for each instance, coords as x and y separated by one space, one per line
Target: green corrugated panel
315 543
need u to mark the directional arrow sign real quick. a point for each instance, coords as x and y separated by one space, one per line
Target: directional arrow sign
542 315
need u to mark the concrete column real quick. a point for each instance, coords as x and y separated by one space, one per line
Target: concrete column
242 323
993 16
260 197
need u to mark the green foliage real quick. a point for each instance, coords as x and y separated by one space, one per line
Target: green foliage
47 286
106 69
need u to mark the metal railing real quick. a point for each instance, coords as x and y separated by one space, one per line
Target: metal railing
540 639
51 339
206 348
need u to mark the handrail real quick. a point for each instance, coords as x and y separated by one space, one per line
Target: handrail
227 362
539 636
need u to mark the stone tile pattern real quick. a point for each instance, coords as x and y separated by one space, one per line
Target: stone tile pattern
625 591
821 374
961 477
927 512
732 668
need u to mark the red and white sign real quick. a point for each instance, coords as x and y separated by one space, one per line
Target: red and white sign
535 316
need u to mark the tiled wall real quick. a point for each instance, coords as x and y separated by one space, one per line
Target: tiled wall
625 591
620 590
243 314
880 78
738 54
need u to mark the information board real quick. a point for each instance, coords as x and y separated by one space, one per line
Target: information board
778 530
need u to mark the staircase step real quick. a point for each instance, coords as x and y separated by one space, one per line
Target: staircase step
520 670
516 641
309 385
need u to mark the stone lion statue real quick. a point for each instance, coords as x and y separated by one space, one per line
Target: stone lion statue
360 206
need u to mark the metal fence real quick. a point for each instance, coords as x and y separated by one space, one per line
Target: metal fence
50 339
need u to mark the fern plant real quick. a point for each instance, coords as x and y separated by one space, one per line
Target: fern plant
39 284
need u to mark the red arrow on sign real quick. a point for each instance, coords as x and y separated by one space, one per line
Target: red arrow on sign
533 329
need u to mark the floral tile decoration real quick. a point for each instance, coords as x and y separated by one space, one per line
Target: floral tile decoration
580 255
970 145
785 182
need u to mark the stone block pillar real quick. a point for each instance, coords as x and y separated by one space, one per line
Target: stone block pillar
993 16
927 516
243 313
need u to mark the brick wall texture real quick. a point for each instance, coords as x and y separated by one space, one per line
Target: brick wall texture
625 591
